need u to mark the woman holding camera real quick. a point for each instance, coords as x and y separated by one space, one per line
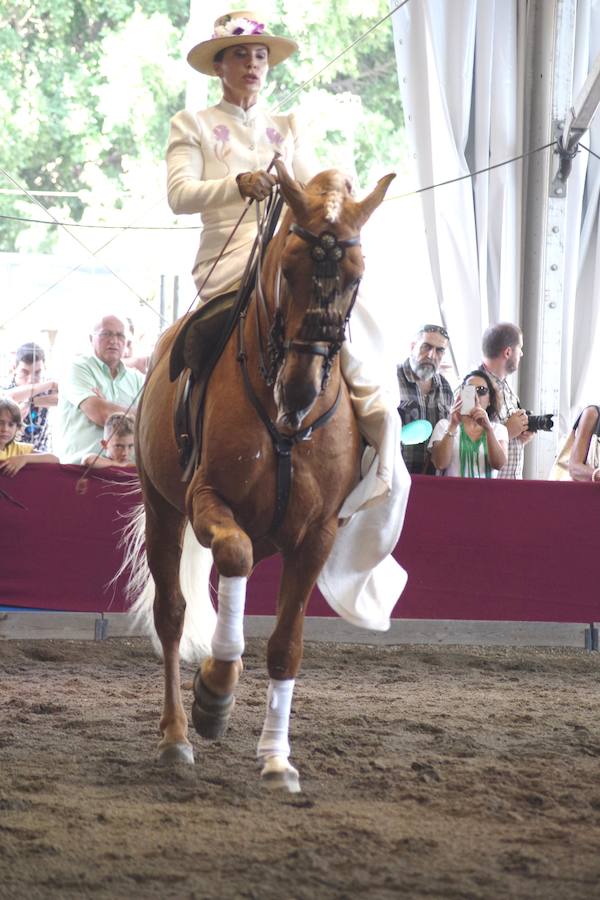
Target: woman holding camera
472 444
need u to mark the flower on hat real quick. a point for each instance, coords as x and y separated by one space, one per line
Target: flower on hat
236 26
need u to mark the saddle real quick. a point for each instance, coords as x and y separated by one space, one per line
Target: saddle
194 355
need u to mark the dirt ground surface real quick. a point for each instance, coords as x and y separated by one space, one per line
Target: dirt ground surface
425 771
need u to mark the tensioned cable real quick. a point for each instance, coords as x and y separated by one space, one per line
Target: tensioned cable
414 193
340 54
422 190
81 244
499 165
58 224
589 150
75 268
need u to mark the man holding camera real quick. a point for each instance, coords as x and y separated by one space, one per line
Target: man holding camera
502 347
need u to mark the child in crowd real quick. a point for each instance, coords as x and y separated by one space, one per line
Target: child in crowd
34 394
117 444
14 454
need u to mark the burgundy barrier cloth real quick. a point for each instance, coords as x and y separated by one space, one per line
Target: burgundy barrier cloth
496 550
60 553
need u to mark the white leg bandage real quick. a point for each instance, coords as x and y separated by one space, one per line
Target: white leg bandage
228 639
274 738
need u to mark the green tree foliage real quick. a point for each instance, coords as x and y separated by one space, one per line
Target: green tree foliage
54 82
87 88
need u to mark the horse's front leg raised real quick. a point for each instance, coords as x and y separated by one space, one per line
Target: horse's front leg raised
231 547
284 655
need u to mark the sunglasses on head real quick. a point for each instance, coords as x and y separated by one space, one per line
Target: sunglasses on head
437 329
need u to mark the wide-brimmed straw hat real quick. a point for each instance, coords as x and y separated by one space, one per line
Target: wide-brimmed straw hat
239 27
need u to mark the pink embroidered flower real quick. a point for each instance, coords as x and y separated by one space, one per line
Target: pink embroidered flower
274 137
221 132
222 148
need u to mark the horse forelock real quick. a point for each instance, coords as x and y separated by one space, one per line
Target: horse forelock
328 192
332 208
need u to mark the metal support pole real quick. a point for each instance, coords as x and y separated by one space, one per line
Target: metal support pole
175 297
162 299
550 78
591 638
101 628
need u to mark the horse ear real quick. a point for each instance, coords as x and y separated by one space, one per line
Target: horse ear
367 206
291 190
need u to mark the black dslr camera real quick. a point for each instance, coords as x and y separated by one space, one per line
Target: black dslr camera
539 423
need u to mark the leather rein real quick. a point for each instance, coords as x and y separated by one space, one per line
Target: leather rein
322 334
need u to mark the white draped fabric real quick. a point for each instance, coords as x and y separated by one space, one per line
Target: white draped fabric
580 376
462 78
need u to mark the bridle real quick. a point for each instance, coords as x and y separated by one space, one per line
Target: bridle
323 328
322 333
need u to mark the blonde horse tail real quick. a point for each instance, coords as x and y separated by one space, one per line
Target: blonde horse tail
194 579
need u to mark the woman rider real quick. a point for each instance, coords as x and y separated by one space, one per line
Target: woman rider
216 159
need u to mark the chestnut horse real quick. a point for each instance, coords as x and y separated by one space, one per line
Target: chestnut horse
279 456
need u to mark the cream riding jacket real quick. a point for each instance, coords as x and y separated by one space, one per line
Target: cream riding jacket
206 151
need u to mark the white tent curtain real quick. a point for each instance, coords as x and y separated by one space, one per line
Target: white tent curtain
580 376
461 75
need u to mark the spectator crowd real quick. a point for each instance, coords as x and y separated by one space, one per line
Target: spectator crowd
482 430
94 403
479 430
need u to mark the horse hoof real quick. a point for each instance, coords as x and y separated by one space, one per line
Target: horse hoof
171 754
278 774
210 712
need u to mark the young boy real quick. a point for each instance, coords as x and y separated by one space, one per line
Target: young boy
14 454
117 443
33 393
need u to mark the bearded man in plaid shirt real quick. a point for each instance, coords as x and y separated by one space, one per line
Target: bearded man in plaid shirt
424 393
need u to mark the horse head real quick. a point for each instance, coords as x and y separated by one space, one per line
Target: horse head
321 267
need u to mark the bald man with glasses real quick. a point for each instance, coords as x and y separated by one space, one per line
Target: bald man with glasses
424 393
95 387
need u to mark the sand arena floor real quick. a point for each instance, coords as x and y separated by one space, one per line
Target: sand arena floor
426 772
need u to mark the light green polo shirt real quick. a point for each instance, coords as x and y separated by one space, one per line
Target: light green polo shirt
77 435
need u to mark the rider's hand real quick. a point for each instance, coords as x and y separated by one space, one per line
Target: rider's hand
255 185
